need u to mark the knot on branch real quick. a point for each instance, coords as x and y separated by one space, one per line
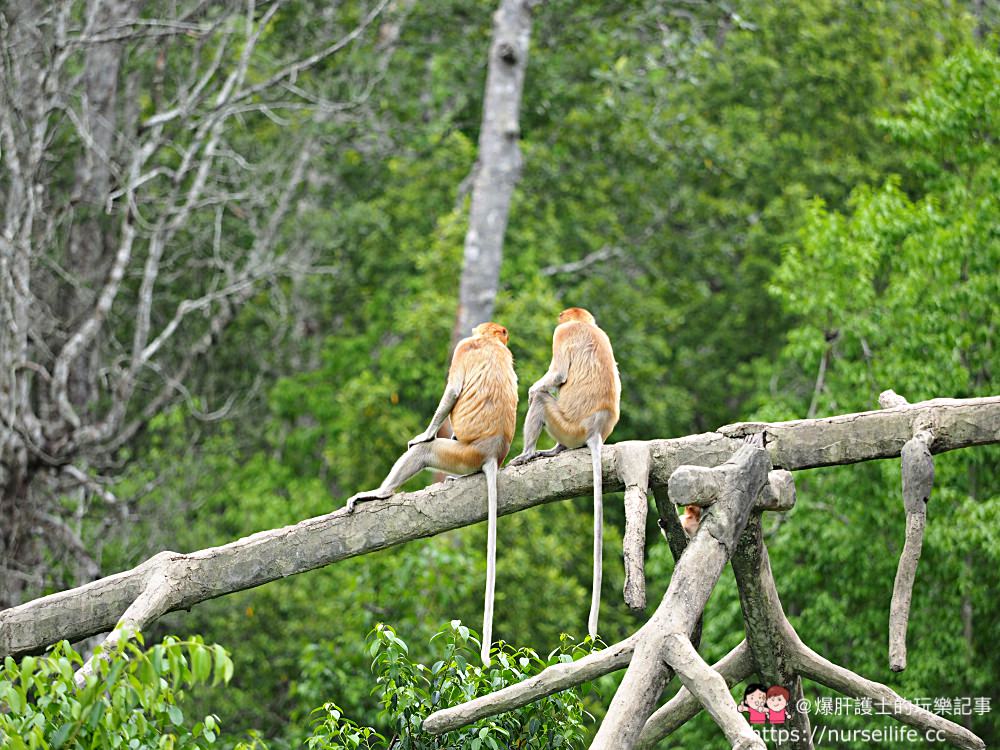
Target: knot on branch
890 399
507 53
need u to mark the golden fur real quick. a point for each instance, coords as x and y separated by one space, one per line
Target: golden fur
592 389
487 407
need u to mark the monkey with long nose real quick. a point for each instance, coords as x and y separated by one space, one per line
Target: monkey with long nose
584 374
480 399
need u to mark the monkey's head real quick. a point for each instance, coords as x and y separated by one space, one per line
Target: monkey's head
492 331
576 313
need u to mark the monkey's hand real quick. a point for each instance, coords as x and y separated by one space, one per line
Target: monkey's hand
424 437
363 496
539 388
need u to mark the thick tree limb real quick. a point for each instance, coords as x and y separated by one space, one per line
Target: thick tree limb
677 539
633 468
734 667
849 438
712 691
315 542
771 637
918 480
552 680
815 667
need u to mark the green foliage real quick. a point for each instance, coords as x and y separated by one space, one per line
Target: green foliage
133 698
130 700
410 691
900 291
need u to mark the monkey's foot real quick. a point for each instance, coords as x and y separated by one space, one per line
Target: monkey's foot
533 455
526 458
552 451
365 496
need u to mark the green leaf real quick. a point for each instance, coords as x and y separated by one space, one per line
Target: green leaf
61 735
201 663
176 715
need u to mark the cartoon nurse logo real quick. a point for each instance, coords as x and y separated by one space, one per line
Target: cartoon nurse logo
755 702
777 704
765 704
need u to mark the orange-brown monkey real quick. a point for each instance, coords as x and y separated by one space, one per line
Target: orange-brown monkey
585 374
481 400
691 519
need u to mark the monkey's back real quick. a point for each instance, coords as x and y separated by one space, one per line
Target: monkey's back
592 382
487 405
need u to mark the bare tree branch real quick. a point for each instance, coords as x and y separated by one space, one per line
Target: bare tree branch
918 480
146 195
734 667
633 467
498 165
320 541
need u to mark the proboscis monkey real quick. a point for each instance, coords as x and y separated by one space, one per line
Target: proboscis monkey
481 402
691 519
585 375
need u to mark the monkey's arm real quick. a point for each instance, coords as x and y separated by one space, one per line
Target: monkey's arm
554 378
551 379
451 393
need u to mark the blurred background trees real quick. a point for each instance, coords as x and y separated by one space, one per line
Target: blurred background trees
774 209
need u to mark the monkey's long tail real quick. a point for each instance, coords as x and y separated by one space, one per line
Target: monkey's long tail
595 444
490 470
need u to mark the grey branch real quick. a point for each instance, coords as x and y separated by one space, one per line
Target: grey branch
552 680
633 469
319 541
734 667
816 668
498 168
771 638
918 480
590 259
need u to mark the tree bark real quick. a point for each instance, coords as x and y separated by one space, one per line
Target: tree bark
498 166
768 632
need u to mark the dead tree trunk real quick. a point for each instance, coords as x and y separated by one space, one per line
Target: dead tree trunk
498 165
80 255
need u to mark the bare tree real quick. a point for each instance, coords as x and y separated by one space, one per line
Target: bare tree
728 472
140 212
498 165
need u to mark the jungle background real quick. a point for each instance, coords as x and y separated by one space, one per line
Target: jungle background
775 210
